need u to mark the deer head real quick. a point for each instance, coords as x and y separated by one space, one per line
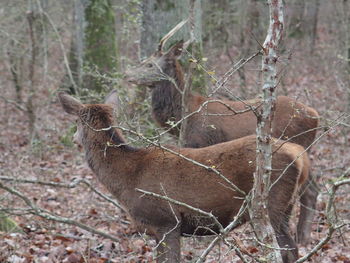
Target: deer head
91 118
158 67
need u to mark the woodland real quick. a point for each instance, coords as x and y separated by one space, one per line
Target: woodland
52 206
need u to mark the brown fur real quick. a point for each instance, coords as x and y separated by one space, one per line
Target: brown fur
217 122
122 169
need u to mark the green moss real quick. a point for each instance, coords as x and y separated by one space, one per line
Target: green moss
7 224
164 5
296 33
66 139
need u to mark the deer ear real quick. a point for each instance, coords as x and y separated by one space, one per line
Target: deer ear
176 50
113 100
70 104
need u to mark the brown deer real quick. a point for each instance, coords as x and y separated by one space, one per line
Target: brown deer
123 169
224 120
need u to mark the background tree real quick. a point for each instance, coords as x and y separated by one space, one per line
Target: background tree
346 25
296 23
311 22
94 52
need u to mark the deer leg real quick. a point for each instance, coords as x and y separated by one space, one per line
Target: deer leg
284 239
308 199
168 243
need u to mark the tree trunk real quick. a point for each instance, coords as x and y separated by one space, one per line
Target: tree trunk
30 103
93 56
296 19
77 46
346 7
249 33
100 49
311 21
259 213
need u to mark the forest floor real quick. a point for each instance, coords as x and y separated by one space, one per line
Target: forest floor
52 158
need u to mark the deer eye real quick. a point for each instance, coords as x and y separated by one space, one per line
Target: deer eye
149 65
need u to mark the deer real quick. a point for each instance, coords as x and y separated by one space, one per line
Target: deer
214 121
174 173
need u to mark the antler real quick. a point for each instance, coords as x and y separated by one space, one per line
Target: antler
170 34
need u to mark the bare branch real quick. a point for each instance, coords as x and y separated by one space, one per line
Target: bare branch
73 184
49 216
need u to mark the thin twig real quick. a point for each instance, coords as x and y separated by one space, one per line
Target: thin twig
332 228
49 216
197 210
227 229
73 184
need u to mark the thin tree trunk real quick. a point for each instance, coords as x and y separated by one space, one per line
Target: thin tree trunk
77 47
296 21
187 88
259 212
15 61
346 7
74 82
311 21
346 4
250 29
30 105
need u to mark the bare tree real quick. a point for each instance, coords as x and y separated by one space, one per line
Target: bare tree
250 33
259 213
311 22
296 19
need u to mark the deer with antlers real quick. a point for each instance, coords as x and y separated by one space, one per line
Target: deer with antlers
186 175
212 121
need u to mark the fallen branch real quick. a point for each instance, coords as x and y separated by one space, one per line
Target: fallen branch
49 216
71 185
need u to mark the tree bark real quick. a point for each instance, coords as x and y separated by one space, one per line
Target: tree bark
311 21
93 56
346 7
100 48
251 30
259 212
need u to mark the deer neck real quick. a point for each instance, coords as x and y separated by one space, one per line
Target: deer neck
167 98
108 157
